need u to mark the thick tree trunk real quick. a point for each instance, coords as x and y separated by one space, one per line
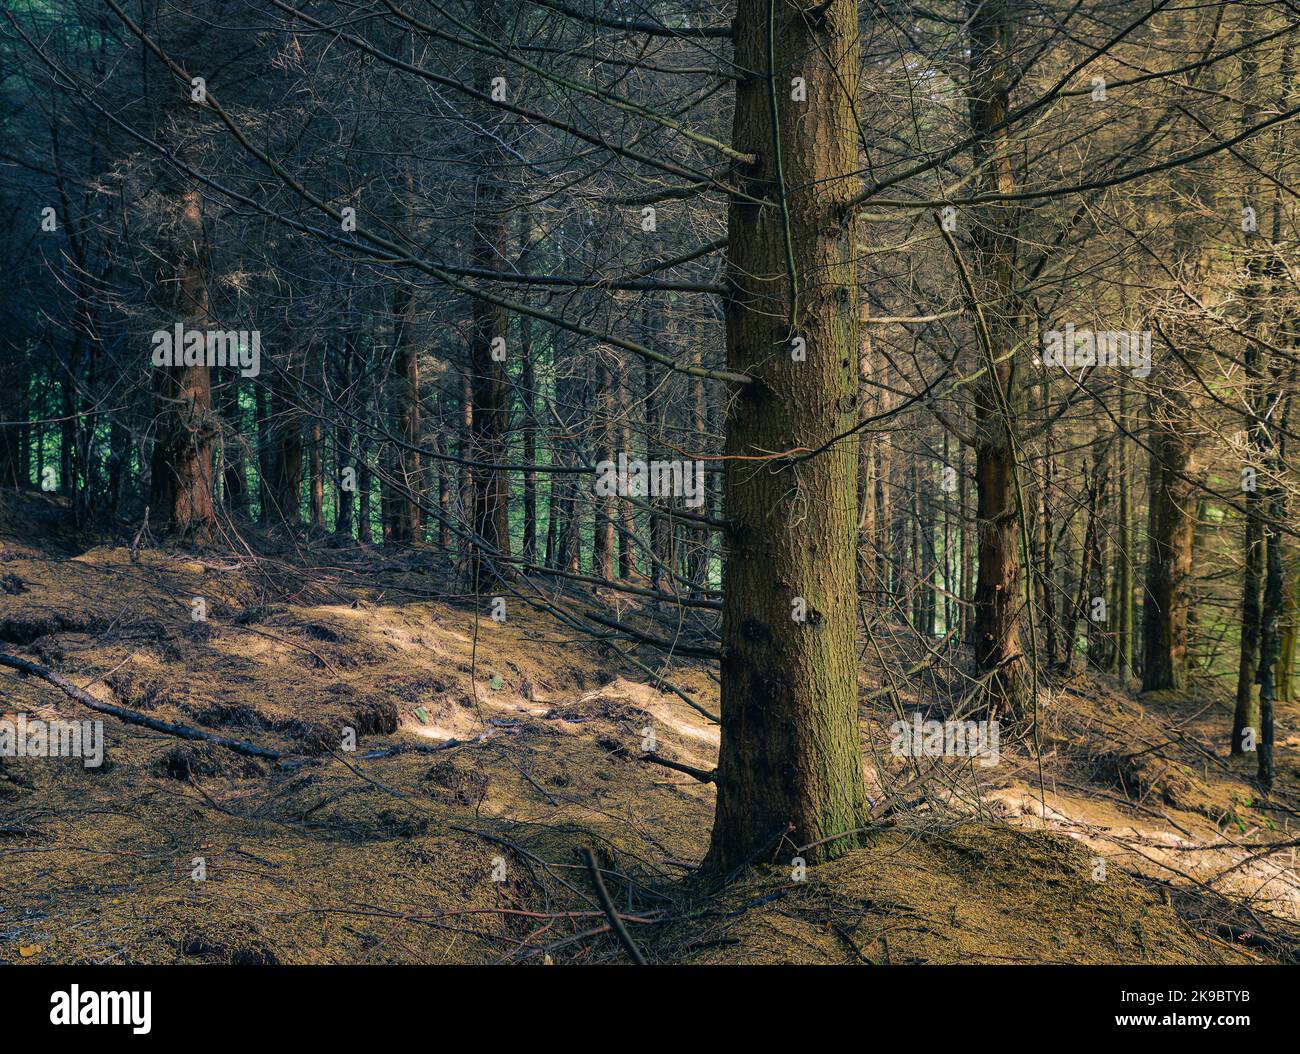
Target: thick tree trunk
1174 478
181 475
790 767
997 589
181 497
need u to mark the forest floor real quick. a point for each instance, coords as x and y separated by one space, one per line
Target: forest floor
490 754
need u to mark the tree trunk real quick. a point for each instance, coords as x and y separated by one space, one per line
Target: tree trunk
1123 664
1270 638
490 384
790 767
317 504
403 491
527 386
1246 712
697 542
284 486
344 464
13 416
997 587
1286 660
626 510
181 475
233 480
1088 559
1172 521
868 565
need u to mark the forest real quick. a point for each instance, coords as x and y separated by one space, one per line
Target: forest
649 481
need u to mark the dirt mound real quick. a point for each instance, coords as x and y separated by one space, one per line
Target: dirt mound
1147 777
975 894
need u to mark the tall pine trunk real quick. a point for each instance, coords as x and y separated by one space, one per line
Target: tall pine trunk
790 765
181 476
997 587
1171 524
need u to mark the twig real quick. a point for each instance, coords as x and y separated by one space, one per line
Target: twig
616 923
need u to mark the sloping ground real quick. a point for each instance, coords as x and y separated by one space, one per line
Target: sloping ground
974 894
486 755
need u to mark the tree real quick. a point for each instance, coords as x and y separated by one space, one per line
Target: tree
790 766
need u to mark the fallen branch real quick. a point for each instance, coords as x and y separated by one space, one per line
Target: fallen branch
134 717
703 775
620 931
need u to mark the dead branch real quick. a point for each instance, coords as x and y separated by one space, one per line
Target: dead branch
134 717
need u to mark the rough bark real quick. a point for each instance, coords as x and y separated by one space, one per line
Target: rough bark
181 476
997 588
181 465
1172 521
790 765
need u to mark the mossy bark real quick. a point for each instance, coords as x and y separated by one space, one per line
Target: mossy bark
790 768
